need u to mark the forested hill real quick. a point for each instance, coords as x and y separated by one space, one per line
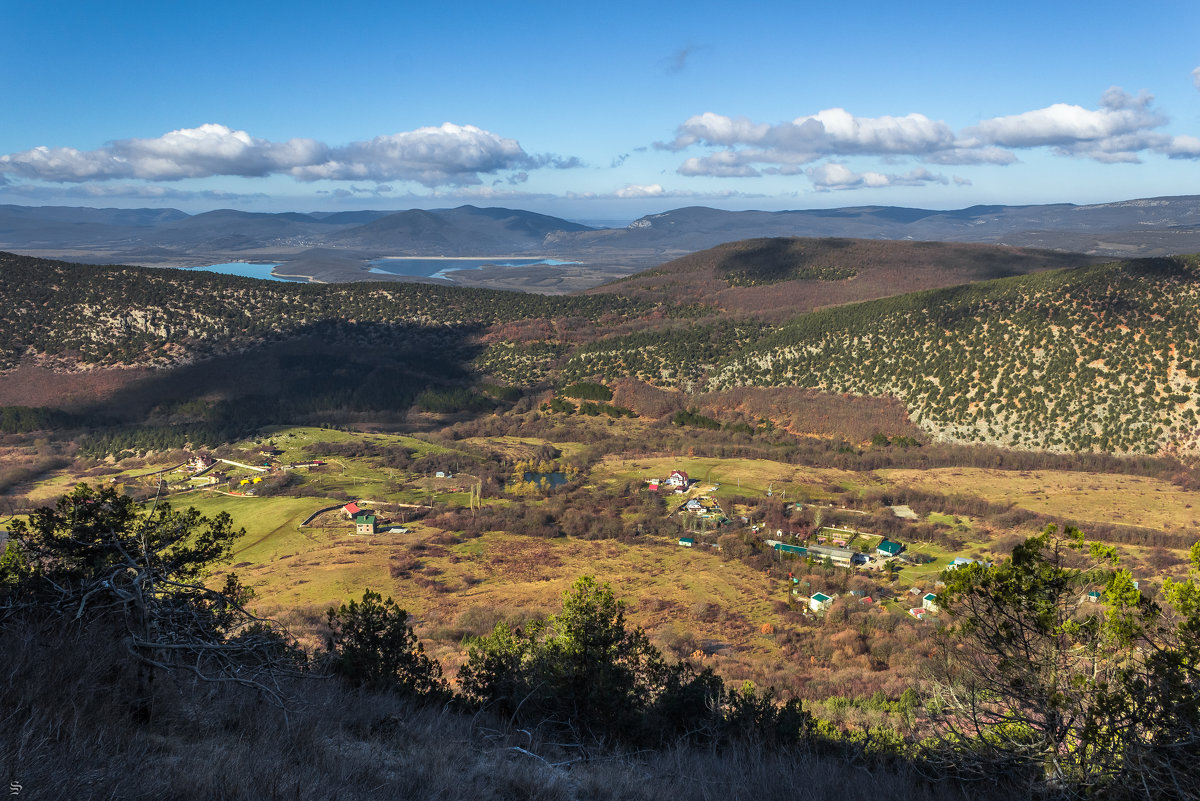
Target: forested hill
782 276
72 315
1095 358
1100 358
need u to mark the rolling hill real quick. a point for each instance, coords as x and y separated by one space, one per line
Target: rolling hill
1096 358
776 277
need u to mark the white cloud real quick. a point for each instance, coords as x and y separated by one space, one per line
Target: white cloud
715 129
805 139
451 155
1196 77
834 176
635 190
1118 130
447 155
1182 147
723 164
186 153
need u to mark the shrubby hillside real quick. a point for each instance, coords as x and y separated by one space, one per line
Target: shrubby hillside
75 315
1098 358
776 278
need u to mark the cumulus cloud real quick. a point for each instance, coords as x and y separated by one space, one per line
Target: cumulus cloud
833 176
1182 147
450 154
635 190
830 131
725 164
1118 130
186 153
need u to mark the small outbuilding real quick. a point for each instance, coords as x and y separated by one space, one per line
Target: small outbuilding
819 602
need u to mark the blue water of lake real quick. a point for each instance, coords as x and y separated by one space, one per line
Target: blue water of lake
555 479
246 270
437 268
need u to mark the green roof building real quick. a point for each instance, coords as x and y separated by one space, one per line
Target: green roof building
887 548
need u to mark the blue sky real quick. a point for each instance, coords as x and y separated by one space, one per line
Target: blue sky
596 111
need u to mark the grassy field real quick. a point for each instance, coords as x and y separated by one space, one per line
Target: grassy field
750 477
1101 497
441 581
293 440
688 599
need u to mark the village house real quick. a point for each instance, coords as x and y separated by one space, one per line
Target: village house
678 480
351 509
364 524
888 549
819 602
929 602
199 463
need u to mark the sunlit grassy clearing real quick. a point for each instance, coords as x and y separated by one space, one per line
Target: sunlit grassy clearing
1099 497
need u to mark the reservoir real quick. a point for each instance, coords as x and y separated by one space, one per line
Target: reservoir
247 270
437 268
546 480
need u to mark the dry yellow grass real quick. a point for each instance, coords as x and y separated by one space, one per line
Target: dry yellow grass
667 588
745 476
1085 497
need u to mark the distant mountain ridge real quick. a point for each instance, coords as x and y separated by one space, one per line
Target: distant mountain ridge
130 234
1144 227
1124 229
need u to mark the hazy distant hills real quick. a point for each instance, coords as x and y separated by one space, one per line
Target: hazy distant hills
466 230
1147 227
154 235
